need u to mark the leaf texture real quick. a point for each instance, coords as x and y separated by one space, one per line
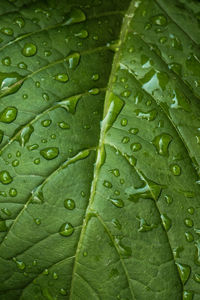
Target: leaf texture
100 150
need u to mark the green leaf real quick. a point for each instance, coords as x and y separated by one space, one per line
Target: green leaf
99 150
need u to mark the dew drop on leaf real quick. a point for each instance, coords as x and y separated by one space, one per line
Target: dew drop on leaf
62 77
166 221
83 34
25 135
69 204
10 83
66 229
76 15
117 202
50 153
161 142
29 49
5 177
73 60
184 272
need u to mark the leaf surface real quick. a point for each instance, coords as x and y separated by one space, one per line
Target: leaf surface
99 165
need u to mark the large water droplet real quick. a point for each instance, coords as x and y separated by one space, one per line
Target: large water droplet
161 142
25 134
10 83
188 295
70 103
5 177
50 153
8 115
76 15
184 272
73 60
149 115
117 202
66 229
29 49
166 221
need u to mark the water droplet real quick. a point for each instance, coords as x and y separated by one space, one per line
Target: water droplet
25 135
45 272
20 264
63 125
70 103
176 170
117 202
115 172
133 130
94 91
10 83
144 226
107 184
184 272
136 147
166 221
76 15
148 190
46 123
69 204
33 147
189 237
45 96
124 122
19 21
6 211
73 60
188 222
159 20
13 192
6 61
5 177
7 31
83 34
22 65
37 221
180 101
8 115
161 142
95 77
190 210
63 292
55 275
125 140
62 77
29 49
126 94
50 153
149 115
175 67
162 39
197 277
15 163
188 295
66 229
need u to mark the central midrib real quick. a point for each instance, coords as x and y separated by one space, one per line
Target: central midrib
100 149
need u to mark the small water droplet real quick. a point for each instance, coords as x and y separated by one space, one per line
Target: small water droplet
116 224
176 170
20 264
8 115
107 184
159 20
63 292
69 204
19 21
95 77
188 222
166 221
66 229
46 123
50 153
13 192
6 61
188 295
29 49
7 31
189 237
62 77
117 202
83 34
136 147
94 91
